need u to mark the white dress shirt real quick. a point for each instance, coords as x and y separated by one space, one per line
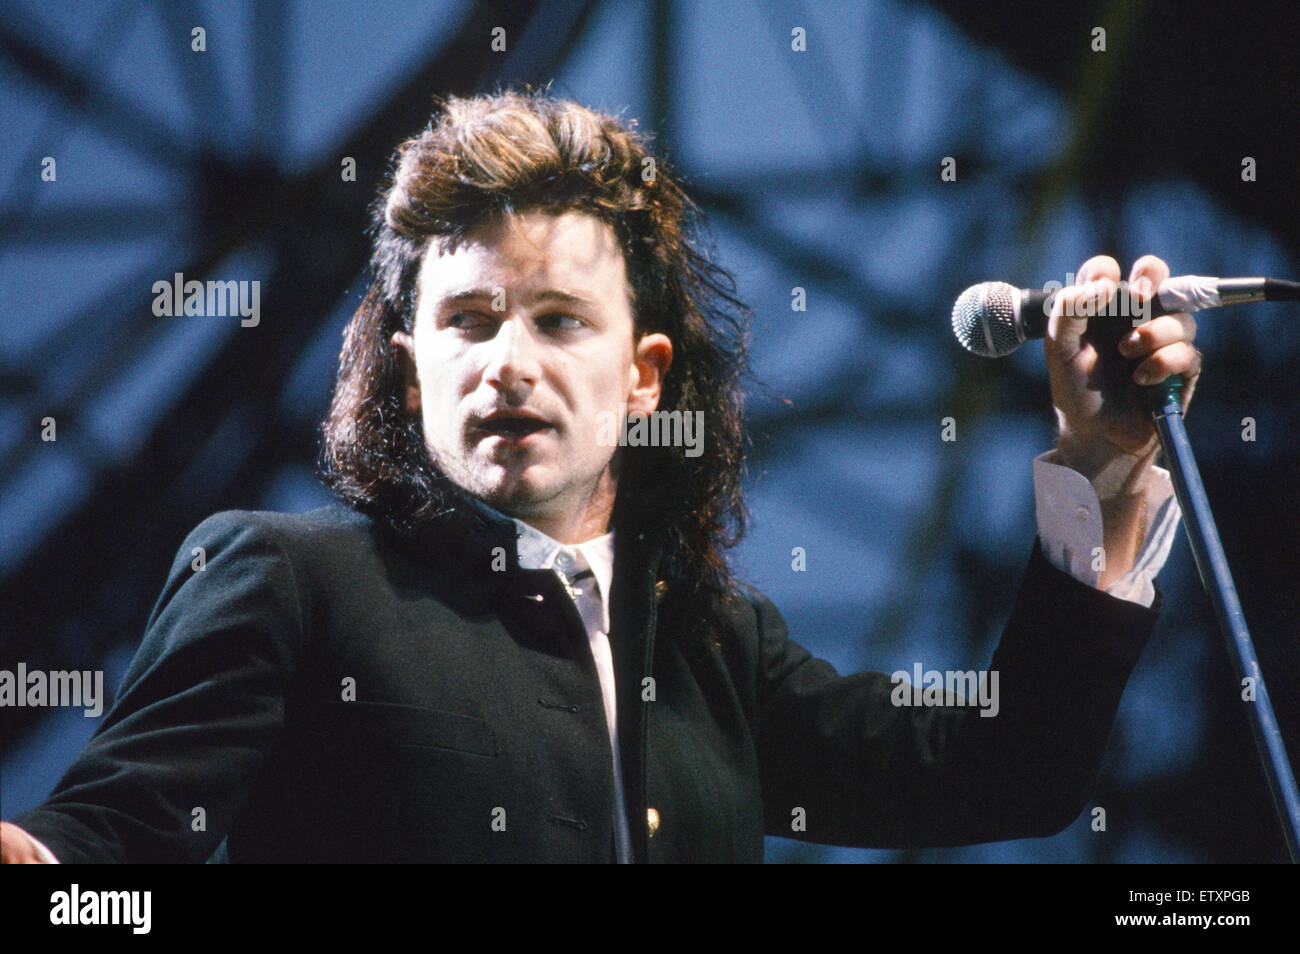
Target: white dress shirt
587 572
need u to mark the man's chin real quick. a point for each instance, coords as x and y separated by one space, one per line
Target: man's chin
516 498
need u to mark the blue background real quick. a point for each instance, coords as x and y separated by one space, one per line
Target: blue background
818 169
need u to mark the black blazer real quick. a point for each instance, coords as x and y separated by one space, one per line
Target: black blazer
325 690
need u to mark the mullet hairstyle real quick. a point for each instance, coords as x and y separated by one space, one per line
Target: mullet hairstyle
486 157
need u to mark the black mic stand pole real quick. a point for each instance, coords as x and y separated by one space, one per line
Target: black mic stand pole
1167 409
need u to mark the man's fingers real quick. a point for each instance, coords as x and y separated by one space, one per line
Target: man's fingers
1098 267
17 847
1145 277
1150 269
1167 340
1179 358
1158 333
1084 301
1094 286
1073 307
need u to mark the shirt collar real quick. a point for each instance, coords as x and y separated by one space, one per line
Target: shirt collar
537 551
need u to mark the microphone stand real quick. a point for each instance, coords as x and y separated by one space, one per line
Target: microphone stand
1165 400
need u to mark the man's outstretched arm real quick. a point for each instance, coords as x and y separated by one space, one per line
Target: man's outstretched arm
883 774
874 764
201 706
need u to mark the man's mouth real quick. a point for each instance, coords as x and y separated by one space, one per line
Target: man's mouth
513 427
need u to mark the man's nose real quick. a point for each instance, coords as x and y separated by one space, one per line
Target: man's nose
512 364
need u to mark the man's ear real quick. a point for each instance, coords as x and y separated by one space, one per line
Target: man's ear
404 355
650 362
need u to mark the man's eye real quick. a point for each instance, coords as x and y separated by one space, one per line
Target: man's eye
558 320
464 319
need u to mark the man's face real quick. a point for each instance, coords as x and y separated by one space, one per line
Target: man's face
523 337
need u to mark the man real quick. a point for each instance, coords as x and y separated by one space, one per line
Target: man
520 642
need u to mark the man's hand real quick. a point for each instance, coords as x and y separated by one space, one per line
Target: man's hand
17 847
1098 369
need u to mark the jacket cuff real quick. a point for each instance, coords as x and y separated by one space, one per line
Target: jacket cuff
1066 623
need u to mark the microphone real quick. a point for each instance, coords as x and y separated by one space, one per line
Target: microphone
993 319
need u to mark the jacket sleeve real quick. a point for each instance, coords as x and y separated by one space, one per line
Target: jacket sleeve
199 710
873 774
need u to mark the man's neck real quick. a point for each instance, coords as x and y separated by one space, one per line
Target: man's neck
568 529
582 520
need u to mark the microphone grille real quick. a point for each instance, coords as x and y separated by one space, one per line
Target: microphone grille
984 319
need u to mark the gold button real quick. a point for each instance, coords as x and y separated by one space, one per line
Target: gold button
652 820
660 589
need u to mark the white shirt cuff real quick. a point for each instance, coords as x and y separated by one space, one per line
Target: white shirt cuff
1070 530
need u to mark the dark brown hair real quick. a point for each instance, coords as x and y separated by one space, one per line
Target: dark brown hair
490 156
